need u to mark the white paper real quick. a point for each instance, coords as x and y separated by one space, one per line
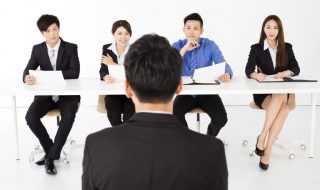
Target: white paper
187 80
270 78
209 74
117 72
47 77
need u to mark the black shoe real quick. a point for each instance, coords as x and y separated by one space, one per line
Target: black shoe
258 151
263 166
42 161
50 167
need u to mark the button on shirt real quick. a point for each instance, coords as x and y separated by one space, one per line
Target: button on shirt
207 54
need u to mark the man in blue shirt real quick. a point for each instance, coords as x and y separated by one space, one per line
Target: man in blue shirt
200 52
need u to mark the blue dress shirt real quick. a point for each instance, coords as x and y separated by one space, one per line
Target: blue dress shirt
208 54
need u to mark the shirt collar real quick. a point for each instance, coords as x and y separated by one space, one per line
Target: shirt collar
113 48
266 45
56 48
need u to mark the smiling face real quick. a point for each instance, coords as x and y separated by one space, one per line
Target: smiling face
192 30
121 36
52 35
271 30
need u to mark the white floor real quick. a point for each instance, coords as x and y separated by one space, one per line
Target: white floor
244 173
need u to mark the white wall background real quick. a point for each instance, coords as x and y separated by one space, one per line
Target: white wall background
233 24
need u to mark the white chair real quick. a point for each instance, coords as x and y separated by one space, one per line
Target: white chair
66 148
291 104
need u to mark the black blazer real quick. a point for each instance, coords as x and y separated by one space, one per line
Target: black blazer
153 151
104 68
67 62
262 59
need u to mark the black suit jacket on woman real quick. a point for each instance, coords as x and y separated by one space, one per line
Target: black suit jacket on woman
104 68
67 62
262 59
153 151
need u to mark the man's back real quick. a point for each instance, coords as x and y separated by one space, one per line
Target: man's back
153 151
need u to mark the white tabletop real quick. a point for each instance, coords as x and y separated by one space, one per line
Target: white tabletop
93 86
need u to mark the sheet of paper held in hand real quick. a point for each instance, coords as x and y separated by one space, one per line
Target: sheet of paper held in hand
47 77
209 74
117 72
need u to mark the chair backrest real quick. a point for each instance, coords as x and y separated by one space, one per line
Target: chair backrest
101 107
291 102
196 110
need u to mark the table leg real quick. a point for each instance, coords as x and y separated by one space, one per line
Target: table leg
14 121
313 124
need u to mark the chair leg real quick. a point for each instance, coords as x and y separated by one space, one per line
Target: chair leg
58 120
198 123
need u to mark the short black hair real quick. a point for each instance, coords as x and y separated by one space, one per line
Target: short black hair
125 24
46 20
193 16
153 69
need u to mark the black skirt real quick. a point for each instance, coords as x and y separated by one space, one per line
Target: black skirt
259 98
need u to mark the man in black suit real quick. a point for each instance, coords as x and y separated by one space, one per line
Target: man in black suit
153 150
53 54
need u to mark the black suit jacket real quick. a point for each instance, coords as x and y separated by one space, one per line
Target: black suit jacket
262 59
104 68
153 152
67 62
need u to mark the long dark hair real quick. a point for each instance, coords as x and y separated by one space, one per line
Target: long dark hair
282 56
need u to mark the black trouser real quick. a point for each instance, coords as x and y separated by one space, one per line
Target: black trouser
211 104
68 107
116 105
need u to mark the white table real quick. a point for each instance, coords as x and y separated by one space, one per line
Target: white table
93 86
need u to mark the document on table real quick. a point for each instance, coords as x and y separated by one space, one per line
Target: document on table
48 77
117 71
270 78
206 75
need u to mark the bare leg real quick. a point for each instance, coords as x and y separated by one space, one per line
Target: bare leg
274 132
272 105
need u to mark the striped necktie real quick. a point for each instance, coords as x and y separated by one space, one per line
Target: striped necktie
193 61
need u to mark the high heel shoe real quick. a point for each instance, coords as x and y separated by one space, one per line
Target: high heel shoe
263 166
258 151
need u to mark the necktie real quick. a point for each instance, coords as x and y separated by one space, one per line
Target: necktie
193 61
53 63
53 59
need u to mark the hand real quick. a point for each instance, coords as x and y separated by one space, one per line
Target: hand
260 76
282 74
30 80
224 77
108 78
191 44
107 60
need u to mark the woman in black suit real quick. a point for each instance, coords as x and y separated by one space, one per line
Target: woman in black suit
271 56
114 53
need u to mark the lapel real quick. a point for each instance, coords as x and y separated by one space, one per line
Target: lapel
267 58
60 54
46 62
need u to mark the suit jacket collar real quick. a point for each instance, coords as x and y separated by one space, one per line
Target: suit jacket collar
155 120
44 51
